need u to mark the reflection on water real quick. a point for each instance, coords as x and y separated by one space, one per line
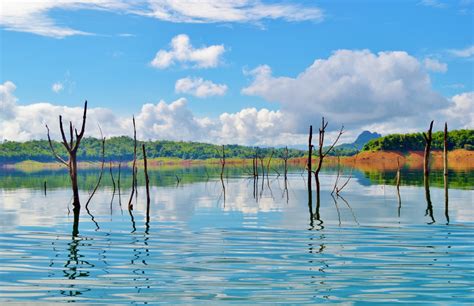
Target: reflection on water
259 245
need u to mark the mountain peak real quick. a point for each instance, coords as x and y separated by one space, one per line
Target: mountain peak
365 136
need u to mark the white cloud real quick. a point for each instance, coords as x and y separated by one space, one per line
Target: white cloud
172 121
466 52
199 87
434 65
7 100
251 126
354 88
461 110
208 11
57 87
34 16
182 51
458 113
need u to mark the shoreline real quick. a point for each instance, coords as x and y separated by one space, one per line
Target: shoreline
459 159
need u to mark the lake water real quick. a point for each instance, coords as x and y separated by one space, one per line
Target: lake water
255 244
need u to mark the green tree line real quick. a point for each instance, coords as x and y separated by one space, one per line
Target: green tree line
457 139
121 149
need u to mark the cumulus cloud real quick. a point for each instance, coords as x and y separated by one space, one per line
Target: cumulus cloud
57 87
434 65
7 100
461 110
34 16
172 121
199 87
355 88
459 113
182 51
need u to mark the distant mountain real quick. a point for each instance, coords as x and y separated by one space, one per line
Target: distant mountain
364 138
357 145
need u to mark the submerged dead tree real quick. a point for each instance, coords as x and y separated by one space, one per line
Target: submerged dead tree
428 139
446 172
309 166
397 182
147 184
322 154
222 160
101 172
255 163
71 147
426 171
445 150
338 189
134 165
118 185
268 163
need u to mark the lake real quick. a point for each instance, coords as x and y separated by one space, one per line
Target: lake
254 242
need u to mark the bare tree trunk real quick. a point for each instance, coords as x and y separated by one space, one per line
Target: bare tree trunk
398 178
73 175
147 183
256 162
112 177
222 162
428 139
426 171
253 167
130 205
118 184
263 167
445 150
446 172
322 155
71 147
75 226
309 162
268 163
309 167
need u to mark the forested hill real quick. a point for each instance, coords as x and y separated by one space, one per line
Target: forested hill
457 139
121 149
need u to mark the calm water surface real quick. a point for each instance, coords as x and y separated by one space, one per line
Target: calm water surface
251 245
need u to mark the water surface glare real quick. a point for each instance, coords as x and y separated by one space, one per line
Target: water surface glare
255 243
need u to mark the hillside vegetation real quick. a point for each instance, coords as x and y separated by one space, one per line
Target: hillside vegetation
121 149
457 139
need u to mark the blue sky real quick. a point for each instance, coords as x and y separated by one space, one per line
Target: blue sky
103 52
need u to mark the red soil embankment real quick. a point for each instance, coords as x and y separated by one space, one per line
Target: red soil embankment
387 160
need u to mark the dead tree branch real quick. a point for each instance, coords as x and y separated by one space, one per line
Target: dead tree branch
71 147
101 171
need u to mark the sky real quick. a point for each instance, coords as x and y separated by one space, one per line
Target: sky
249 72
